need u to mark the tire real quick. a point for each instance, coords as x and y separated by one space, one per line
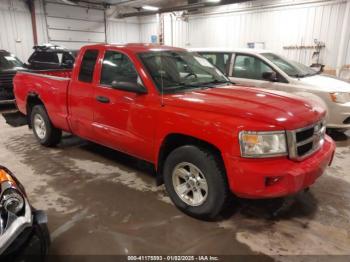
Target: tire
51 136
207 165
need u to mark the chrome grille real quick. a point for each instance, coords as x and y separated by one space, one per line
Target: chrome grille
305 141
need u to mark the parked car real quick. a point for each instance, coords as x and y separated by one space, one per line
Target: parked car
9 65
51 57
23 230
205 136
265 69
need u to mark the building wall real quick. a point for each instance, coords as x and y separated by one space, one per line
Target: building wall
275 23
148 26
123 30
286 25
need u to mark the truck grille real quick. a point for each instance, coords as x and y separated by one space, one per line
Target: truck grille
305 141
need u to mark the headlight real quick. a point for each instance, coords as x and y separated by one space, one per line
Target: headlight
12 201
340 97
15 212
263 144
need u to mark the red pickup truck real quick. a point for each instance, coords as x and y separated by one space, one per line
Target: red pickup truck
204 135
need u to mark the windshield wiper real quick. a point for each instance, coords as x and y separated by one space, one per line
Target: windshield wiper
299 75
216 82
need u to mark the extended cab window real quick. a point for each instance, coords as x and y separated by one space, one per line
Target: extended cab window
220 60
117 67
249 67
87 66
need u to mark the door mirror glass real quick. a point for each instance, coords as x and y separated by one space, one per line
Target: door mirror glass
270 76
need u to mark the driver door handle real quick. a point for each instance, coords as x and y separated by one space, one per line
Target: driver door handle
103 99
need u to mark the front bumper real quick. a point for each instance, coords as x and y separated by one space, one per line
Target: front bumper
337 114
247 177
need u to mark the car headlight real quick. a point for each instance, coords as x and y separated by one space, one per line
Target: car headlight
11 199
15 212
263 144
340 97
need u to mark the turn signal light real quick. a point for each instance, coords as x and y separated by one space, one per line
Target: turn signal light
4 176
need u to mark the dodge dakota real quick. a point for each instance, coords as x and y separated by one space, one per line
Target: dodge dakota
205 136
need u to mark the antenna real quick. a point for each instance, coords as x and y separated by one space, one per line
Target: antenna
161 80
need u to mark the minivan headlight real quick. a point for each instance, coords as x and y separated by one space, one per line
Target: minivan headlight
340 97
263 144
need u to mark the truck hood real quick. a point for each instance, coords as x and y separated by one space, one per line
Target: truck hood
272 107
325 83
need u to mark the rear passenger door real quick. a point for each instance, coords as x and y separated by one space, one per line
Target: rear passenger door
80 97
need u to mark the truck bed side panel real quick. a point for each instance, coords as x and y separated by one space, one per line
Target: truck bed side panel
51 90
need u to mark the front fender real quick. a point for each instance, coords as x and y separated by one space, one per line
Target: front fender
316 98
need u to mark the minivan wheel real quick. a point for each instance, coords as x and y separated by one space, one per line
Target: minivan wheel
196 181
43 129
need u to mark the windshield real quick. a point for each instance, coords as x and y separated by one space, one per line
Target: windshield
9 61
174 71
291 68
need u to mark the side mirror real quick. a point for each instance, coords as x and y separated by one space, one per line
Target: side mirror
129 87
270 76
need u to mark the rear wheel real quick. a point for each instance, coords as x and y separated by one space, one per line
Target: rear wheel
43 129
196 181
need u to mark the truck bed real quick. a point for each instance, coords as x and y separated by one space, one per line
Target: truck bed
50 86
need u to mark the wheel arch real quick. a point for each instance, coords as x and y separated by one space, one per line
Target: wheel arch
175 140
33 99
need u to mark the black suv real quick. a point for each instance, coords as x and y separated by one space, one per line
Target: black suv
9 65
46 57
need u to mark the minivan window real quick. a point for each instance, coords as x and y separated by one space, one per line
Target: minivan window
291 68
220 60
249 67
117 67
87 66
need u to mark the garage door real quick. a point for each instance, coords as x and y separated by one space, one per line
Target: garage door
74 26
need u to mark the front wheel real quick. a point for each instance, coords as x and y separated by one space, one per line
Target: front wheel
43 129
196 181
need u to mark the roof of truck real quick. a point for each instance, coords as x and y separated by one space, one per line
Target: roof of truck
230 50
141 47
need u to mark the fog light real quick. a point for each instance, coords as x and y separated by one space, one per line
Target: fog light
269 181
12 201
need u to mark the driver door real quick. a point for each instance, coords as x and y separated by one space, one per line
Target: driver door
121 119
248 70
